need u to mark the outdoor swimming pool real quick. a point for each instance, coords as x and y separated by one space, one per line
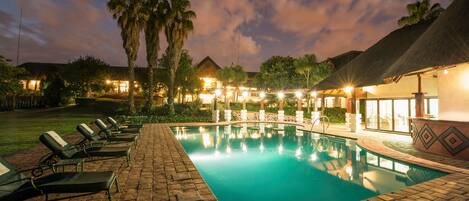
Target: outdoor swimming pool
282 162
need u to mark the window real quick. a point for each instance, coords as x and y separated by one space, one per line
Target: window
433 107
401 115
385 114
372 114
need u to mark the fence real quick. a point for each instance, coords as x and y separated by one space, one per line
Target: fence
21 102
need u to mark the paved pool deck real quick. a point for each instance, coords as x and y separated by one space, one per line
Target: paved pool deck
161 170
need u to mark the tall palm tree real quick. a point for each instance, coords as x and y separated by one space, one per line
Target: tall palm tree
239 78
225 75
178 24
130 20
419 11
153 26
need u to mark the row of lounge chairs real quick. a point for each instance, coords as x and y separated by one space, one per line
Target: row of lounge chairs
112 140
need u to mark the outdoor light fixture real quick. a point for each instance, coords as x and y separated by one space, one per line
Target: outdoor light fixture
348 89
298 94
445 72
108 81
245 94
314 93
262 94
217 92
280 95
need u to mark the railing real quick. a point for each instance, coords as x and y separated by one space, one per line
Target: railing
21 102
322 120
269 116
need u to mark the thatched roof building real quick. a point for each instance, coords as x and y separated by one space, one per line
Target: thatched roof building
445 42
368 67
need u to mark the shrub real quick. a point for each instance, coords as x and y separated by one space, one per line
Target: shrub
55 93
336 115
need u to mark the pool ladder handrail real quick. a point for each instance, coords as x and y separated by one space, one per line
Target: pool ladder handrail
322 120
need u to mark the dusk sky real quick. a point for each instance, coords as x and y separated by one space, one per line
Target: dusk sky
61 30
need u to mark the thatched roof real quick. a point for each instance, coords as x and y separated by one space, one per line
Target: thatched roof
341 60
368 68
444 43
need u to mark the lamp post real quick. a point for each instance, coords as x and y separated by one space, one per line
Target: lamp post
281 113
216 112
261 110
299 111
244 112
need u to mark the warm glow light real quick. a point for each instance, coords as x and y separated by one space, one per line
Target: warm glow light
298 94
369 89
445 72
245 94
348 89
262 94
314 93
229 93
108 81
261 147
298 152
217 92
228 149
280 95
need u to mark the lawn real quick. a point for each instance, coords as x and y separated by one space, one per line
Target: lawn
21 129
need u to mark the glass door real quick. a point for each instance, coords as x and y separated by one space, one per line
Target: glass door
401 115
372 114
385 115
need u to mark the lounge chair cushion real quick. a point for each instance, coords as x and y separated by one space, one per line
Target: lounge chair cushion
101 125
87 132
69 182
3 169
57 138
53 142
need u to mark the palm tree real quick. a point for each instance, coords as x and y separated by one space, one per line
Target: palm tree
130 20
178 24
239 78
225 75
419 11
153 26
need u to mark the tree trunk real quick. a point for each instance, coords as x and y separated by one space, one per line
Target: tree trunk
149 102
131 86
172 76
174 57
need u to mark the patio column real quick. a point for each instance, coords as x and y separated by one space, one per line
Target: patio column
299 110
315 115
281 113
261 110
244 112
352 118
227 112
419 99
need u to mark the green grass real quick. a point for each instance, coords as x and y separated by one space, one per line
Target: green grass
21 129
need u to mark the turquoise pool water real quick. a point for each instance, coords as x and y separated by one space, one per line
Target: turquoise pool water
281 162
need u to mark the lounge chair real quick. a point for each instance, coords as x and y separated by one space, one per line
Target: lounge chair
125 128
14 185
64 150
94 138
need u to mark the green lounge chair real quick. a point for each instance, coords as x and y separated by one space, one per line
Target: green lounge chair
14 185
110 136
65 150
103 139
127 128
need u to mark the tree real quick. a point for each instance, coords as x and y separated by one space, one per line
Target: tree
86 74
185 79
239 78
130 19
278 72
311 71
420 11
153 26
10 85
178 24
225 75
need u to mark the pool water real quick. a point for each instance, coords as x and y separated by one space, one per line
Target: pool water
282 162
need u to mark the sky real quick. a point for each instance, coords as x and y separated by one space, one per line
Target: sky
247 32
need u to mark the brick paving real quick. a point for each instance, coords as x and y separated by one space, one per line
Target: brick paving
160 170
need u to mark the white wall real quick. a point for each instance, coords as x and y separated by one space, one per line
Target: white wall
453 90
405 87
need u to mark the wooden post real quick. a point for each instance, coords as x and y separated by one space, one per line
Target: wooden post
419 99
262 104
300 105
280 104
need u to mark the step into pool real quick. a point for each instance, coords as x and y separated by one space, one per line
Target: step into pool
283 162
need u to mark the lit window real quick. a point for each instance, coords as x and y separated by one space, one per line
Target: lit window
371 159
385 163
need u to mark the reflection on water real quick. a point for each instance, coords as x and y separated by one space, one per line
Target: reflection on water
293 153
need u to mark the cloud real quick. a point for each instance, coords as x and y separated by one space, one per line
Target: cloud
217 31
269 38
328 28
